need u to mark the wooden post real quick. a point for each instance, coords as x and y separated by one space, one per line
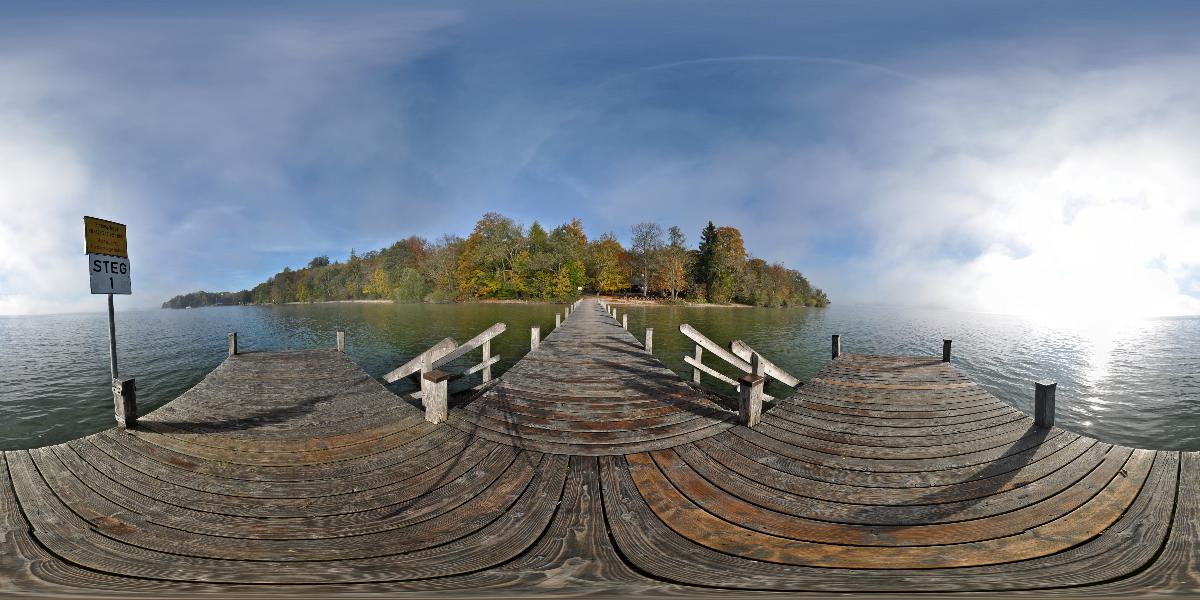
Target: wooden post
487 353
434 396
557 320
233 343
535 338
696 370
650 340
125 402
625 321
750 399
341 341
837 345
945 350
1043 403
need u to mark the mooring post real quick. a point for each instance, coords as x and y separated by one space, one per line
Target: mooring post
125 402
434 396
557 320
837 345
696 370
535 338
487 354
625 321
945 350
751 397
233 343
1043 403
341 341
649 340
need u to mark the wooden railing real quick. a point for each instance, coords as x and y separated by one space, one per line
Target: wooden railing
750 387
434 381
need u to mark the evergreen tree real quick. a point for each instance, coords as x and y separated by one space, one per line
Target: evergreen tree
705 270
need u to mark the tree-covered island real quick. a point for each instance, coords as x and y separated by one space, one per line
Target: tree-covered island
503 260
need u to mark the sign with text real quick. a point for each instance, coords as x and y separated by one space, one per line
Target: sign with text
110 274
104 237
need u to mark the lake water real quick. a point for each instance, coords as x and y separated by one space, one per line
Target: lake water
1135 383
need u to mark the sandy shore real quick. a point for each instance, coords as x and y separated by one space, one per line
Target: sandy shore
609 299
660 302
344 302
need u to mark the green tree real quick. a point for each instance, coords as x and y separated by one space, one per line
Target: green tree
410 287
705 271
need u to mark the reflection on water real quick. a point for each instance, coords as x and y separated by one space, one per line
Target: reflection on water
1136 383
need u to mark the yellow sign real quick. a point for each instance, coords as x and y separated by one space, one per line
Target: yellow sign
104 237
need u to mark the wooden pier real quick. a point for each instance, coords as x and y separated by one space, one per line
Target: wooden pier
591 468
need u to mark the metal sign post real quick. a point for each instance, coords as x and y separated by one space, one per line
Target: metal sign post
108 270
112 338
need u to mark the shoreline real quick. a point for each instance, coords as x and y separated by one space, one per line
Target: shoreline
609 299
660 302
364 301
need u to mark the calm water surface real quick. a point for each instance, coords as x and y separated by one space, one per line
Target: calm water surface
1136 383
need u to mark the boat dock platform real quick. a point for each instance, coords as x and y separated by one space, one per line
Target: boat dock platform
589 467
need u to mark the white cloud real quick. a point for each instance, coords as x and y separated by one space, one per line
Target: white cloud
1018 178
1037 174
42 192
1078 190
191 131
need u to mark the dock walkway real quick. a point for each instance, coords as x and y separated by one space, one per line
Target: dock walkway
590 467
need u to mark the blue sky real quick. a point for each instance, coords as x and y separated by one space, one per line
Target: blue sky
931 153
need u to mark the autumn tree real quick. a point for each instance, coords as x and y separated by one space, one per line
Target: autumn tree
440 268
486 264
500 259
673 262
607 270
644 247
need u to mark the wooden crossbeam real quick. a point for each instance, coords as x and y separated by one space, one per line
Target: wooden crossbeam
744 351
471 344
719 375
414 366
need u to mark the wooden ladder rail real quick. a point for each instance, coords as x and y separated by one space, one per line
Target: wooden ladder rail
744 358
434 381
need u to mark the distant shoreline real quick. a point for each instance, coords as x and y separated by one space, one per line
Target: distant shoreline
666 303
662 302
364 301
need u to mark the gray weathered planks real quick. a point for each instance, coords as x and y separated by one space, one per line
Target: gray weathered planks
590 468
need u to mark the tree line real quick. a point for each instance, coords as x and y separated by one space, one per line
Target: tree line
504 260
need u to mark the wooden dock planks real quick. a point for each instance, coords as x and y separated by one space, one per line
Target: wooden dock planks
590 389
591 468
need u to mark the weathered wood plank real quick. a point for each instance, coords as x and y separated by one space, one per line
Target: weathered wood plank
590 467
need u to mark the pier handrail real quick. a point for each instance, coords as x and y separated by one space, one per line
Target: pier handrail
740 356
446 351
413 366
744 352
434 381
